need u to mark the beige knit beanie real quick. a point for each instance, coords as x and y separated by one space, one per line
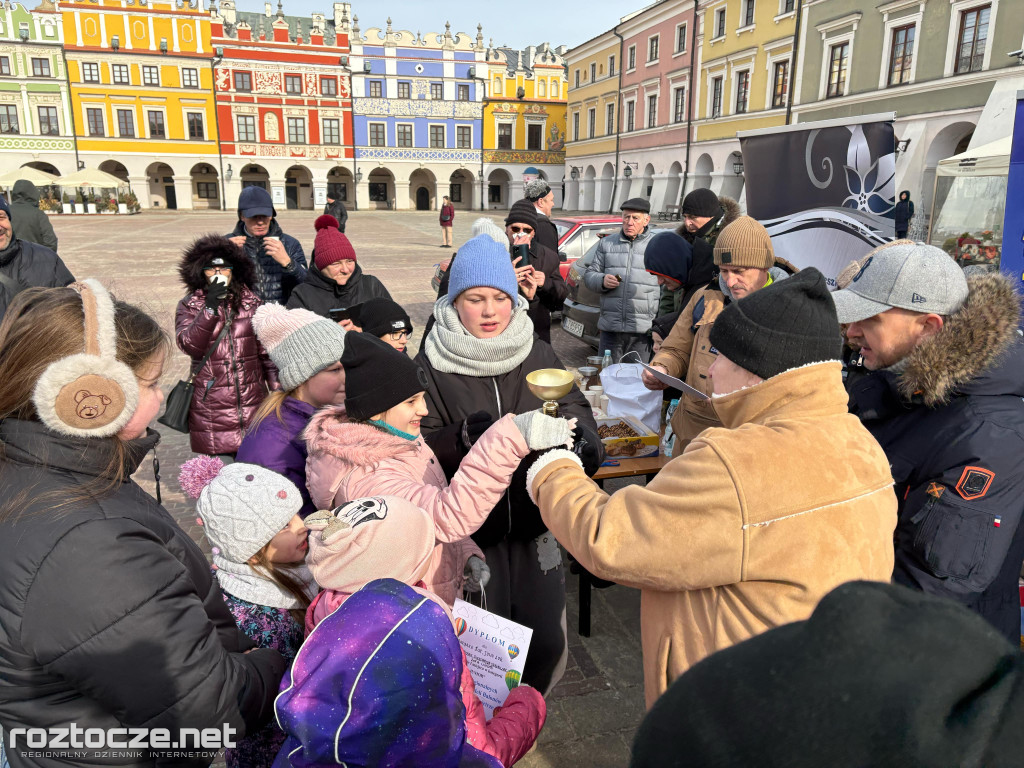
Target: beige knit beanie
744 243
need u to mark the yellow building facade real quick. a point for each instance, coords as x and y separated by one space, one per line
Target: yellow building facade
524 129
592 114
141 79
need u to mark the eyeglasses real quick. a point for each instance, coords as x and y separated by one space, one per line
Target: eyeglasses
218 270
525 230
399 335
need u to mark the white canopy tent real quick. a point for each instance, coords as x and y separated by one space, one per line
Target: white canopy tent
27 173
92 178
989 160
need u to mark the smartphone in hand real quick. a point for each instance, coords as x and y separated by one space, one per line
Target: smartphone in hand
522 252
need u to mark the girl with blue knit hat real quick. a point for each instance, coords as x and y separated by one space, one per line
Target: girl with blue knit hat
476 358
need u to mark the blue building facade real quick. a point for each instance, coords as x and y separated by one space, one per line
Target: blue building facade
417 117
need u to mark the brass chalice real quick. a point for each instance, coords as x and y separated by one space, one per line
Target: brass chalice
550 385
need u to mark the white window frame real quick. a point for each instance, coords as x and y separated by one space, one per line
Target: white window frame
575 126
341 131
625 111
576 79
709 104
891 24
655 60
744 27
146 109
444 127
783 13
127 69
39 121
369 125
830 38
956 8
86 106
631 58
500 121
459 127
117 123
611 65
680 51
591 123
773 59
608 131
412 130
185 112
181 79
255 126
719 34
736 72
142 74
676 89
99 78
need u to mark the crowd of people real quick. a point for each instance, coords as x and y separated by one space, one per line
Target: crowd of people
847 470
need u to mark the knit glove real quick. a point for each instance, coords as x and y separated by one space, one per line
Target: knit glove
473 426
215 293
476 573
541 431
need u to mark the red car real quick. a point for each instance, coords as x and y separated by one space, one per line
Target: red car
576 234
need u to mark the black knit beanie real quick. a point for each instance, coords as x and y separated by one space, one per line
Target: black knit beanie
380 316
522 212
377 376
785 325
879 675
702 202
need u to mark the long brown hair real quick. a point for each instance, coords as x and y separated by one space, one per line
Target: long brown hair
43 325
281 574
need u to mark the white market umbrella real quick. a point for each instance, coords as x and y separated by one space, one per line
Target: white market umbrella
91 177
27 173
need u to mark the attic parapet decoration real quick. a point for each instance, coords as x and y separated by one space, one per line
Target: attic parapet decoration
390 36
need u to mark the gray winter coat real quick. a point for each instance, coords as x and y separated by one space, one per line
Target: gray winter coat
631 306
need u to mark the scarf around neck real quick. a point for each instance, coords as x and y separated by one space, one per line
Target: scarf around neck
242 581
451 348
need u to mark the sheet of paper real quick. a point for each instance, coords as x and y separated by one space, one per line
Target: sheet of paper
495 649
672 381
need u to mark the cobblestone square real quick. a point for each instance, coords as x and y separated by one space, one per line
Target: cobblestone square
594 711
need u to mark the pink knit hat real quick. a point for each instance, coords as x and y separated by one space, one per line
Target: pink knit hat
383 537
330 244
299 342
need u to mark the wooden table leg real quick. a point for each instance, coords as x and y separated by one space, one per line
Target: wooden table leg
584 624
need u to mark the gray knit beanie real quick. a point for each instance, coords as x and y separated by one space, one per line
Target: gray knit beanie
299 342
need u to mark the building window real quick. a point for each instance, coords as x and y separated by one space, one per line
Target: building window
404 91
494 193
631 57
575 126
296 130
403 135
716 97
838 61
788 6
5 66
652 49
462 92
652 111
780 84
681 38
376 89
293 84
593 71
437 91
150 75
535 136
94 117
609 120
555 90
189 78
630 115
156 125
332 130
576 76
378 192
90 72
48 121
195 126
41 68
742 91
679 105
246 127
206 190
328 86
591 123
720 22
125 122
437 137
497 86
119 74
464 136
748 13
970 48
504 135
901 54
377 135
455 193
243 81
9 119
611 66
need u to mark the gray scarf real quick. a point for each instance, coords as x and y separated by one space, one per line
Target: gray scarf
242 581
451 348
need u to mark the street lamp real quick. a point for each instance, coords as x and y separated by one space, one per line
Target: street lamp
737 167
574 174
359 175
629 167
228 173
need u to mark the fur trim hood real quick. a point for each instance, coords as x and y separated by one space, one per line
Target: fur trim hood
970 343
355 444
200 252
731 212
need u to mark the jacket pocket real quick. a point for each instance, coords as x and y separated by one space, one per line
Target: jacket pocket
952 539
664 654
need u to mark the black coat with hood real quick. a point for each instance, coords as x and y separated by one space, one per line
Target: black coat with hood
109 614
272 282
29 265
904 211
339 212
952 426
318 293
32 224
702 267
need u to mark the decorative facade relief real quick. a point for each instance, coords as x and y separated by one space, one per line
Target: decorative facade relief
425 155
311 88
418 108
266 81
270 127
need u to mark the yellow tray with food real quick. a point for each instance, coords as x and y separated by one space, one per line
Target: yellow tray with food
627 438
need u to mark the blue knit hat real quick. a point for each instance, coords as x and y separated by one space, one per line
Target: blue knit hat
481 262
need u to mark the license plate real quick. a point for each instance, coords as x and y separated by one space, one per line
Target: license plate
572 326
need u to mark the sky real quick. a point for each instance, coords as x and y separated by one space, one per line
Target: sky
568 22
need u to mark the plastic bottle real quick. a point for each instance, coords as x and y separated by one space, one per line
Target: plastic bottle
607 359
668 439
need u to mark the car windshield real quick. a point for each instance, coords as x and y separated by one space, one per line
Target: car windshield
561 226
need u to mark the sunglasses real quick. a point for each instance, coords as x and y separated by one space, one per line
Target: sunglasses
218 270
525 230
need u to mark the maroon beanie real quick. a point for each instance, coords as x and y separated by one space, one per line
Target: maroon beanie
330 244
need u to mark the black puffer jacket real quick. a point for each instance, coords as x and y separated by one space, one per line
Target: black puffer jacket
109 614
338 211
320 294
452 397
952 427
30 265
702 267
273 283
30 223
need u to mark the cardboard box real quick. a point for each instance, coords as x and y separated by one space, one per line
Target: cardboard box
645 444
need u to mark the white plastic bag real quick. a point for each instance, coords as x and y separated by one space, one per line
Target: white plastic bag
627 395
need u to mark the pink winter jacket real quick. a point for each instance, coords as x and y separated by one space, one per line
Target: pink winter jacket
348 461
513 727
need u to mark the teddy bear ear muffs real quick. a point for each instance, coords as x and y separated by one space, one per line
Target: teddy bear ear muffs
92 393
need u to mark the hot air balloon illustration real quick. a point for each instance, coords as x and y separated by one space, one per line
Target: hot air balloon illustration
460 625
513 651
512 678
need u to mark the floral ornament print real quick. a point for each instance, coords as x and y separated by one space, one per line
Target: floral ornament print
871 185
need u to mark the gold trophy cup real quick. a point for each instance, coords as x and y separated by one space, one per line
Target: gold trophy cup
550 385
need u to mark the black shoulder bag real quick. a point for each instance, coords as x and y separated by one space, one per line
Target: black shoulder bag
179 402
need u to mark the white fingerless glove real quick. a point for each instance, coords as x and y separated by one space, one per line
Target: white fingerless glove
542 432
476 574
